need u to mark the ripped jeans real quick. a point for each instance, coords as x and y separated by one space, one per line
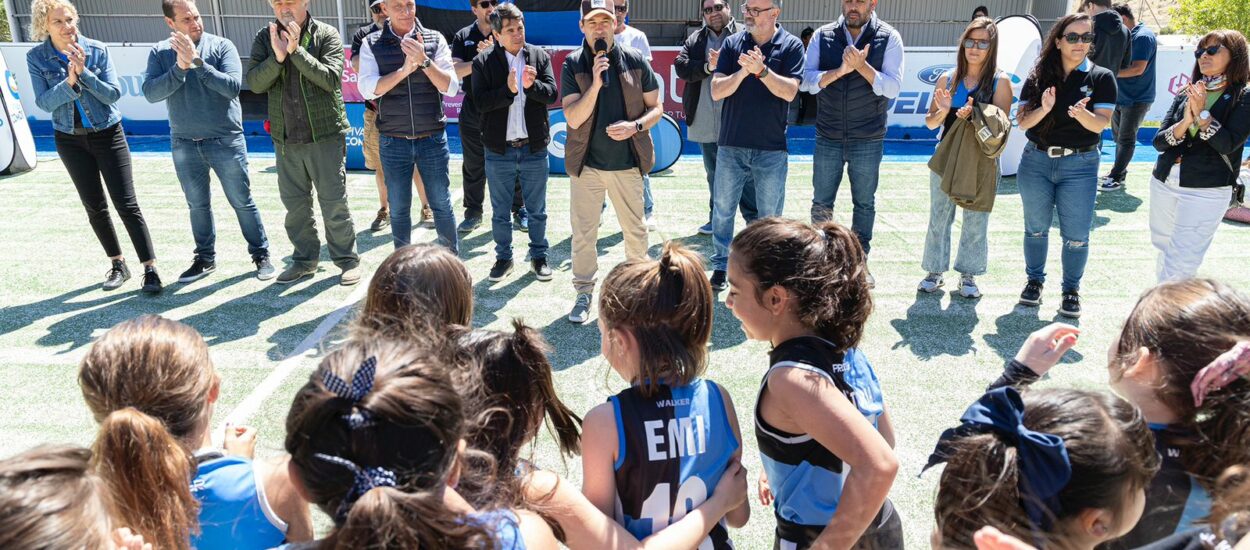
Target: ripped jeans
1067 186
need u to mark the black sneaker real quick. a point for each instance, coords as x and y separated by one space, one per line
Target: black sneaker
200 268
501 269
1071 307
542 272
264 269
381 221
151 281
718 280
1032 295
117 275
469 224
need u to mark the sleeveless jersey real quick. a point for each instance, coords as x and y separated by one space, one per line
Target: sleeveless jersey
234 513
806 478
1175 501
672 449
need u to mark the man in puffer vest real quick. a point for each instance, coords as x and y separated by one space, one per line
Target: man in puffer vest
855 67
408 69
611 101
298 62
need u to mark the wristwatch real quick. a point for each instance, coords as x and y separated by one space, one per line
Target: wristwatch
1204 116
425 64
638 125
763 73
197 63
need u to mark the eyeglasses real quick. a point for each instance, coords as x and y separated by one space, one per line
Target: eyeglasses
978 44
622 8
754 12
715 8
376 9
1209 50
487 4
1073 38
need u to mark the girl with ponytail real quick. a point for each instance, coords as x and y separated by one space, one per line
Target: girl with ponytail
1183 357
151 385
804 289
376 439
510 394
657 449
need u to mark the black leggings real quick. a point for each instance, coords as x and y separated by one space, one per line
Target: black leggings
86 158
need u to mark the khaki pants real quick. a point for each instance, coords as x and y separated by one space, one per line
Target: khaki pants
624 189
372 160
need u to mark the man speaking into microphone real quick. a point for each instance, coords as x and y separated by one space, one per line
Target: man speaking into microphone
611 101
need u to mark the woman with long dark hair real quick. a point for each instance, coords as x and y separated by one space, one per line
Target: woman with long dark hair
1066 103
1200 143
74 80
975 79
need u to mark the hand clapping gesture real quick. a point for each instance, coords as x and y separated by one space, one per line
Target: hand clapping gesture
281 41
414 53
942 98
1048 99
185 49
752 61
77 62
713 57
965 111
528 77
486 44
1078 110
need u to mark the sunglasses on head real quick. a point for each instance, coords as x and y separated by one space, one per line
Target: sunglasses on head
713 9
485 4
1073 38
978 44
1209 50
376 8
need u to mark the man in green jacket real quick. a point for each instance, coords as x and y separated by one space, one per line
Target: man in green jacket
298 61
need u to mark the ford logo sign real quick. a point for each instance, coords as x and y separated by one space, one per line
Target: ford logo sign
931 74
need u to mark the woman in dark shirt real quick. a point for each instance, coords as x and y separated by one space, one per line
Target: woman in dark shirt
1066 103
1207 127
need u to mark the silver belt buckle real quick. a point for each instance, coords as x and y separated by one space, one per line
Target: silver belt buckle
1056 152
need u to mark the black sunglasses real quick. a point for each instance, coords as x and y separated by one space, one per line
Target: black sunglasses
978 44
1073 38
484 4
715 8
1209 50
621 8
376 9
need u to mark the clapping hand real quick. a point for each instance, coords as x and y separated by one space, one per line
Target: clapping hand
942 98
529 76
965 111
1078 110
752 61
1048 99
713 57
1196 99
512 79
279 41
854 58
185 49
414 52
485 44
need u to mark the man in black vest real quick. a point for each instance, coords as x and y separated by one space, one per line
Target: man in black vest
408 67
473 39
854 66
513 84
695 65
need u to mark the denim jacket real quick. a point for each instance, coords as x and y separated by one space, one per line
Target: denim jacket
97 90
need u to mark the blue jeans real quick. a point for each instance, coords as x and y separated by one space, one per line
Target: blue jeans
1069 186
734 167
746 205
648 204
431 157
228 157
503 172
973 245
862 160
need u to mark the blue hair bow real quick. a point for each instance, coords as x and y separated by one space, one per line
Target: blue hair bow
362 384
365 480
1042 458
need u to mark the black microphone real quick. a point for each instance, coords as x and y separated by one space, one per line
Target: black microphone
601 48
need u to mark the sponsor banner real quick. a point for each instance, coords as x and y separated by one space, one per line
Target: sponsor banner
922 66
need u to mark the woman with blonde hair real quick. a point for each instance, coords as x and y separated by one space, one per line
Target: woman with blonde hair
74 80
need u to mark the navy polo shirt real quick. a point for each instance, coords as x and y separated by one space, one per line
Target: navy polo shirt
1059 129
753 117
1141 89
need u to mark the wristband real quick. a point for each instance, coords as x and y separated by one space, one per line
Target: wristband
762 73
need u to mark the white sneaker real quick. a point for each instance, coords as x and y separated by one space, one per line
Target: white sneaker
650 220
931 283
581 309
968 287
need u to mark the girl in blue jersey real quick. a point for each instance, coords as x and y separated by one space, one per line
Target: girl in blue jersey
820 413
376 442
1063 469
1201 423
515 393
656 450
151 385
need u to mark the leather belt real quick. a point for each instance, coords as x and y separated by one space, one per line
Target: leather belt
518 142
420 136
1059 152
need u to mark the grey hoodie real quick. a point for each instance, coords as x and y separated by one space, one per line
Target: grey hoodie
1113 45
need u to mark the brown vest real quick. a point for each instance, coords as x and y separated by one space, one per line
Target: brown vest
628 76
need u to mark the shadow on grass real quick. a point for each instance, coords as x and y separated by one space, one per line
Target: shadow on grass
1013 328
929 331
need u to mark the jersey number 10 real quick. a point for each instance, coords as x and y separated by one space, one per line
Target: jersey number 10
691 494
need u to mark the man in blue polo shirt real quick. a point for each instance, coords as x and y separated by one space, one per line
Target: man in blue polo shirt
757 76
1137 92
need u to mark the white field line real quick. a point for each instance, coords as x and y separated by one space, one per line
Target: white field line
265 389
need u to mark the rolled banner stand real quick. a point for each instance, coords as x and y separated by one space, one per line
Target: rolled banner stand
665 135
17 144
1019 45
